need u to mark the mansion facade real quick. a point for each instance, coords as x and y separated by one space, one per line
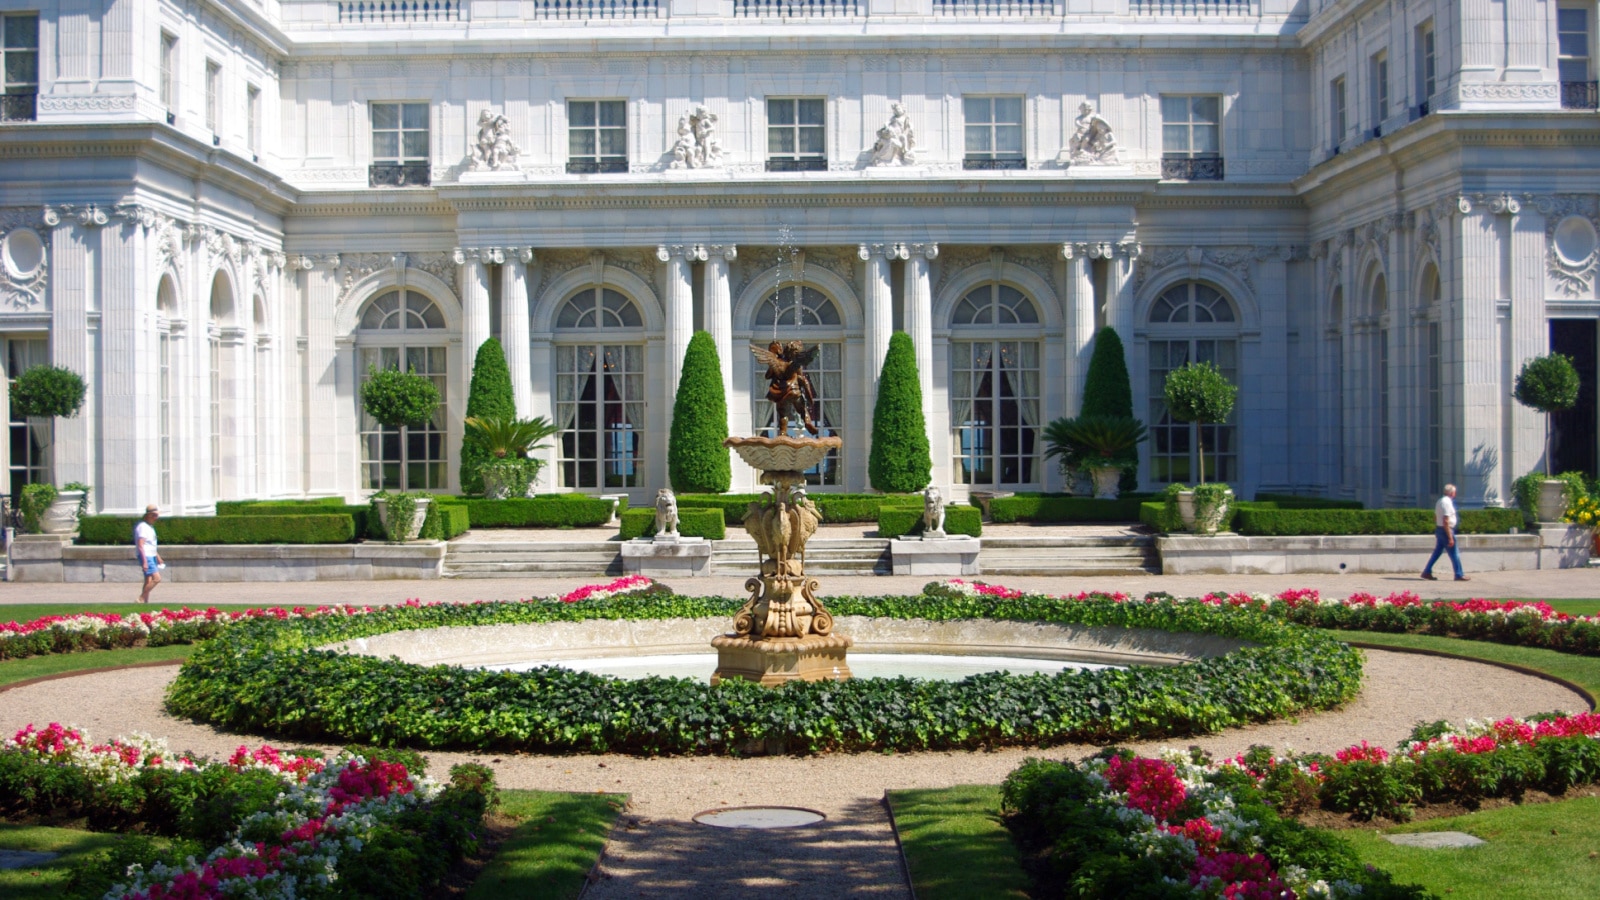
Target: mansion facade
225 213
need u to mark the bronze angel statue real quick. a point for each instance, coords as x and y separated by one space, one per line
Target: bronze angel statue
788 387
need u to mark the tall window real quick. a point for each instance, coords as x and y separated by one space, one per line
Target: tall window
399 145
30 438
597 136
20 49
404 330
994 133
1336 380
994 387
796 139
801 312
1336 105
164 414
1435 409
600 390
213 95
1385 436
1191 139
169 73
1207 328
1378 71
1427 74
252 95
1573 52
216 417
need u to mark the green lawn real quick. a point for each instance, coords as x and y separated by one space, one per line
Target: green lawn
552 852
1583 671
13 670
45 881
1576 607
954 844
1537 852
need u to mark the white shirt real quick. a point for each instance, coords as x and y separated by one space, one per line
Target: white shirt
1444 513
143 531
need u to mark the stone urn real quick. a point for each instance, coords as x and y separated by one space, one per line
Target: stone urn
1213 518
499 481
62 516
1552 500
1106 482
418 516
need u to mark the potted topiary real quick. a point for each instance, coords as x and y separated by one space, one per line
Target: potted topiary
50 392
510 471
1548 384
1101 443
1200 393
398 399
402 515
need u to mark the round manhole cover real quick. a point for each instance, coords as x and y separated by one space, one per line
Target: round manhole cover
759 817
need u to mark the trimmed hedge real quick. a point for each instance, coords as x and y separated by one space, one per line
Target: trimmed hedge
266 674
302 529
445 520
489 395
696 457
895 521
836 508
1254 520
240 507
1296 501
899 460
1062 508
706 523
358 514
562 511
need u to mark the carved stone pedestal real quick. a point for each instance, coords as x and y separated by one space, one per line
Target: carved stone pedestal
774 661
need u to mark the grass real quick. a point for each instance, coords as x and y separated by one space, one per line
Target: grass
1543 851
14 670
552 852
46 881
955 846
1576 607
1580 670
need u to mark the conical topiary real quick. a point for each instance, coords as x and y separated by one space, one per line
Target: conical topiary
489 396
900 461
697 462
1107 392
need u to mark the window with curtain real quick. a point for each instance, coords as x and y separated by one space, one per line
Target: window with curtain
600 390
801 312
405 330
1191 322
994 387
30 438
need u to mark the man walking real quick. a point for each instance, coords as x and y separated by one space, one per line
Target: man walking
1444 534
144 543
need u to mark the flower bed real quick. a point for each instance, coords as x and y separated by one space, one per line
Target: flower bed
268 675
103 631
281 824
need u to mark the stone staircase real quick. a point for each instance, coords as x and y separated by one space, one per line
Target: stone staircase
520 559
1065 555
832 556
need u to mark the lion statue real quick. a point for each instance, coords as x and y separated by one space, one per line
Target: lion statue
666 514
932 511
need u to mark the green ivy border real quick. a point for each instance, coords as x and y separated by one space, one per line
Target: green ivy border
266 675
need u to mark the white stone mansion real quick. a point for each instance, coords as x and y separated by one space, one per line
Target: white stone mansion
1367 212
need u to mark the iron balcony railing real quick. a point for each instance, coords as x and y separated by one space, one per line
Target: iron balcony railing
594 166
1580 95
411 174
803 164
1191 168
989 163
19 107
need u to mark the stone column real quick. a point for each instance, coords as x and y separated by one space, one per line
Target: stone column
237 429
1080 321
128 427
679 295
474 304
1474 385
72 296
878 299
1119 294
320 287
919 316
1530 329
718 310
514 327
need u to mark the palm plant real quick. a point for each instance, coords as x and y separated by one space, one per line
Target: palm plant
508 441
1094 440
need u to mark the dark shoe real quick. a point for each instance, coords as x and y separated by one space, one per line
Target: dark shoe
1462 578
1427 577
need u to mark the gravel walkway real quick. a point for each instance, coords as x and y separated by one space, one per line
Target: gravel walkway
658 852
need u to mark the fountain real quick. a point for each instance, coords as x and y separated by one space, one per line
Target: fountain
783 632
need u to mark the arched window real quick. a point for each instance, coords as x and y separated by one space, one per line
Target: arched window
1335 334
166 306
599 308
805 313
1434 402
1378 302
1191 322
994 387
600 390
221 313
405 330
401 311
30 438
994 304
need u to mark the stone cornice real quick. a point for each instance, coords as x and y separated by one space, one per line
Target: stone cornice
1327 21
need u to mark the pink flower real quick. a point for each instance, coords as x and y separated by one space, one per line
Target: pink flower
1152 785
1362 752
1242 877
1205 835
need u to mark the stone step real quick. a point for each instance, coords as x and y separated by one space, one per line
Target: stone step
531 567
1143 540
1001 570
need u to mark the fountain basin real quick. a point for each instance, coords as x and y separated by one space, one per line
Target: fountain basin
782 453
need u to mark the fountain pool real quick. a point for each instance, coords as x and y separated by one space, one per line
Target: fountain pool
931 666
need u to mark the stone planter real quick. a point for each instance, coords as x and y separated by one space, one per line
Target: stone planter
499 482
417 518
1212 521
62 516
1106 479
1552 500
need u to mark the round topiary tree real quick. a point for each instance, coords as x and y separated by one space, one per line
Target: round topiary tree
1200 393
1107 392
488 396
397 398
900 462
697 462
1548 384
48 392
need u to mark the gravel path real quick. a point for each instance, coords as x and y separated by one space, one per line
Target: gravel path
658 852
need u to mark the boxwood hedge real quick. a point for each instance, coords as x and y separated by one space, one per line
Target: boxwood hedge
561 511
894 521
1254 520
336 528
291 508
836 508
268 674
706 523
1063 508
